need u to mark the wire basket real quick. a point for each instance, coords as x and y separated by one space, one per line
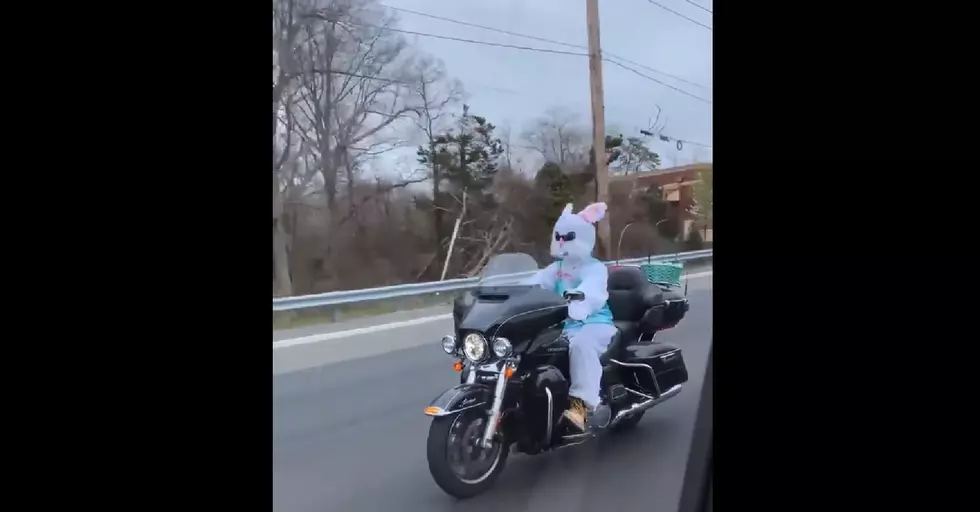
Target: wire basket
663 272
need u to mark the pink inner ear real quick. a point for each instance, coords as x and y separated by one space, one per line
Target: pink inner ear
592 213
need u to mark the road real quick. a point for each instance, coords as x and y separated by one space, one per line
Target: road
349 435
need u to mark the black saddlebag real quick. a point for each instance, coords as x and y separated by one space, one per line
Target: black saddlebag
667 363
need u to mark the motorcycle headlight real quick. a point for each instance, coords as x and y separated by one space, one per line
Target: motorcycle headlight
502 347
474 347
449 343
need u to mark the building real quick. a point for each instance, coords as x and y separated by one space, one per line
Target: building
676 184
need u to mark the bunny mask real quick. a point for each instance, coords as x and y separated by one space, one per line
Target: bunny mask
574 235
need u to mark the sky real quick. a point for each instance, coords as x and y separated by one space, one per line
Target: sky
513 87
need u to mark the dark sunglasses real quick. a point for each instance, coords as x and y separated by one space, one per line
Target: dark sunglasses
568 237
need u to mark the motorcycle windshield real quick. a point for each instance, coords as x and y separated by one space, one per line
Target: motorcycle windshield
508 268
505 303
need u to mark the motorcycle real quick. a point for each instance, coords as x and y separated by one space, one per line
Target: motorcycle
514 379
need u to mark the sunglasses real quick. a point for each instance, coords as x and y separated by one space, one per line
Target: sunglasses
567 237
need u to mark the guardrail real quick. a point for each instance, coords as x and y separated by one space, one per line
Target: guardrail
450 285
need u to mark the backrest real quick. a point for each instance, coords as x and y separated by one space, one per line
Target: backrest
626 286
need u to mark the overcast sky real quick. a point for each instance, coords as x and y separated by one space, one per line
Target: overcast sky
512 87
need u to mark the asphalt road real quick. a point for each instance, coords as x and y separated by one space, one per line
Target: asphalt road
350 436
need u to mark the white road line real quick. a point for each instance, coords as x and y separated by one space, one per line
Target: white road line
319 338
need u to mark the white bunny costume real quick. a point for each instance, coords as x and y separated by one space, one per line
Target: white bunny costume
589 327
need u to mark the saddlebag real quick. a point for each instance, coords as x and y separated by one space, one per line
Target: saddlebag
667 362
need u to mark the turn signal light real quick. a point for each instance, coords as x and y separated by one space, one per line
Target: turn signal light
508 372
458 366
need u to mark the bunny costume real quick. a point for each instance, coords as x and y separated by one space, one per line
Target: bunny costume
589 327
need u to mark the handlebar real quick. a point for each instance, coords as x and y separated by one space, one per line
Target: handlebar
570 296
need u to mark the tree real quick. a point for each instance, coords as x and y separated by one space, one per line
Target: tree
634 156
438 97
288 19
356 79
467 159
694 241
558 138
704 194
557 188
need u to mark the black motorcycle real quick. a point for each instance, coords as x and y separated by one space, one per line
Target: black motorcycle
513 364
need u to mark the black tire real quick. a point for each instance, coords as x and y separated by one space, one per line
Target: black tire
629 423
437 453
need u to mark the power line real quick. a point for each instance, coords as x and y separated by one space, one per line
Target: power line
533 49
679 142
668 9
545 40
699 6
627 68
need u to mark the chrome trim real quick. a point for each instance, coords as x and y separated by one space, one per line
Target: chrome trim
487 349
641 395
653 374
510 347
454 411
644 405
498 400
455 344
471 376
551 412
577 438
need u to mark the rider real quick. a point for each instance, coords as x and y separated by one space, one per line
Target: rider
589 327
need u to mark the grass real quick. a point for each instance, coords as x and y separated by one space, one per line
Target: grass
328 315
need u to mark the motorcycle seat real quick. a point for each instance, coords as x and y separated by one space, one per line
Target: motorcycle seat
630 294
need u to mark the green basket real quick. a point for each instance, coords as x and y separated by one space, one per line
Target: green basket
664 272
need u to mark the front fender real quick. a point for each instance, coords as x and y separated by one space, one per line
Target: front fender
459 398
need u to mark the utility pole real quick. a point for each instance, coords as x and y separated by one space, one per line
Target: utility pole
598 122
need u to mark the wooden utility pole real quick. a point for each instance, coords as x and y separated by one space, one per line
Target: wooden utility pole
598 122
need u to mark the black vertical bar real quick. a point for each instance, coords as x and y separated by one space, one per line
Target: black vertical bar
696 495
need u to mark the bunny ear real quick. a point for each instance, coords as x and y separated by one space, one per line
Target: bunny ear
567 210
593 213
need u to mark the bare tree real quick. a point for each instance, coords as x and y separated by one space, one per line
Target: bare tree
356 87
438 96
558 137
288 19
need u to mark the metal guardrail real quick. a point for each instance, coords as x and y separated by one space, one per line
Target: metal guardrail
449 285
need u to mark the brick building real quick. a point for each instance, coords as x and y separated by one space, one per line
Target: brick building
676 183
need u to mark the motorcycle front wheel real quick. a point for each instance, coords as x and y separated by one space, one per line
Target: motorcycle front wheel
459 465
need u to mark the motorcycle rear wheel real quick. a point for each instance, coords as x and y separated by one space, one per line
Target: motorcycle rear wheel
450 449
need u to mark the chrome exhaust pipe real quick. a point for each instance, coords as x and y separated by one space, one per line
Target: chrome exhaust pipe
644 405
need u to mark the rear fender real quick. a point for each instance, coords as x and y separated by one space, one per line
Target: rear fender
460 398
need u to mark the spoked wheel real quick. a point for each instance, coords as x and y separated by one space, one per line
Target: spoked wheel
457 461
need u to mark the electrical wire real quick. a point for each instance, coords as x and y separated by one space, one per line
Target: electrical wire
679 142
668 9
533 49
544 40
699 6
